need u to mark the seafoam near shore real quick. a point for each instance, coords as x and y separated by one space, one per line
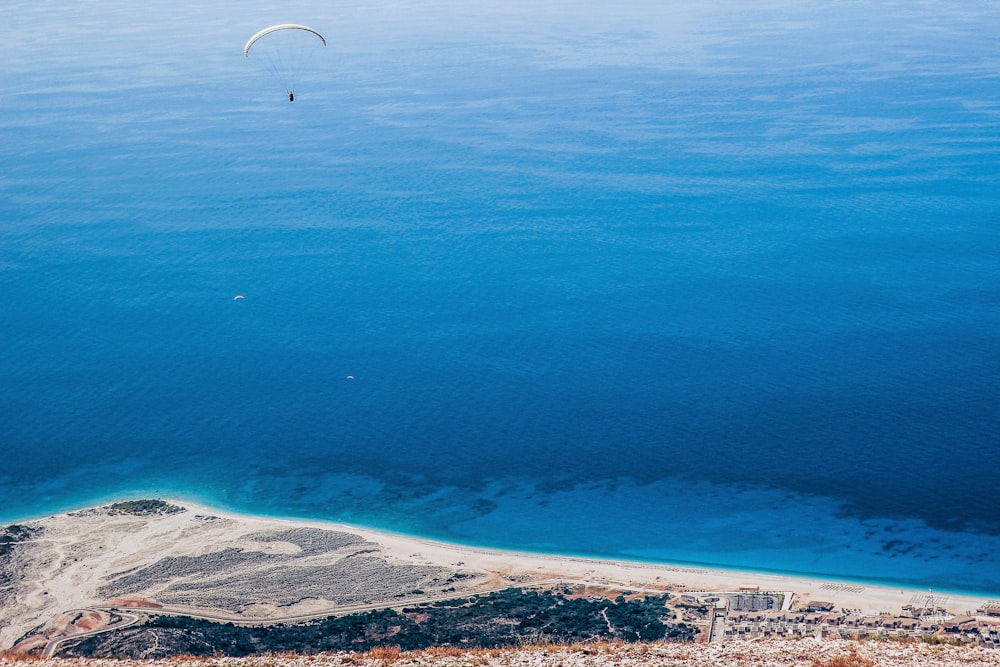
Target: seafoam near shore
240 567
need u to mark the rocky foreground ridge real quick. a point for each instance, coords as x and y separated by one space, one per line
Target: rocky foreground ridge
772 653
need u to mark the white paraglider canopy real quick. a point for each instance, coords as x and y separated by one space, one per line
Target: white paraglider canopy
275 28
286 48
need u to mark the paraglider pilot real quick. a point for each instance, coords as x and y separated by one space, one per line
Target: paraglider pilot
291 96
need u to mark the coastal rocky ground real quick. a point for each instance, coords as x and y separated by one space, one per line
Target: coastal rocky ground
102 572
153 554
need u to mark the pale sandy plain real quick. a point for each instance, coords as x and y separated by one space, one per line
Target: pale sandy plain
240 567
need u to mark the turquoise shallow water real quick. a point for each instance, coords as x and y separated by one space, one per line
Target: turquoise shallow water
666 283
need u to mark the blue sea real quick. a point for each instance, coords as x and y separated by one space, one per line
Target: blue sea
712 283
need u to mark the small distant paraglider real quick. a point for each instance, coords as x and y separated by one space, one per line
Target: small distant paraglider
238 297
286 50
349 377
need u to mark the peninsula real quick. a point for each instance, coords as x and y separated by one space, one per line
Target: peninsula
160 578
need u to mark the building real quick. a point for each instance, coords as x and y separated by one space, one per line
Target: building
991 608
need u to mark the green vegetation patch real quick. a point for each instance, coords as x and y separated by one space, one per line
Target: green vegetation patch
144 507
513 617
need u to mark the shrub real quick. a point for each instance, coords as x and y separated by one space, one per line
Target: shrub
851 659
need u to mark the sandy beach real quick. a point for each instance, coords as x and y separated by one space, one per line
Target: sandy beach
243 568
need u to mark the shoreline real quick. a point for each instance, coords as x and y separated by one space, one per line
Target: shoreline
258 569
689 567
691 571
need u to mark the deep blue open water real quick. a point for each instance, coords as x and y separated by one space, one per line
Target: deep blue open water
666 282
